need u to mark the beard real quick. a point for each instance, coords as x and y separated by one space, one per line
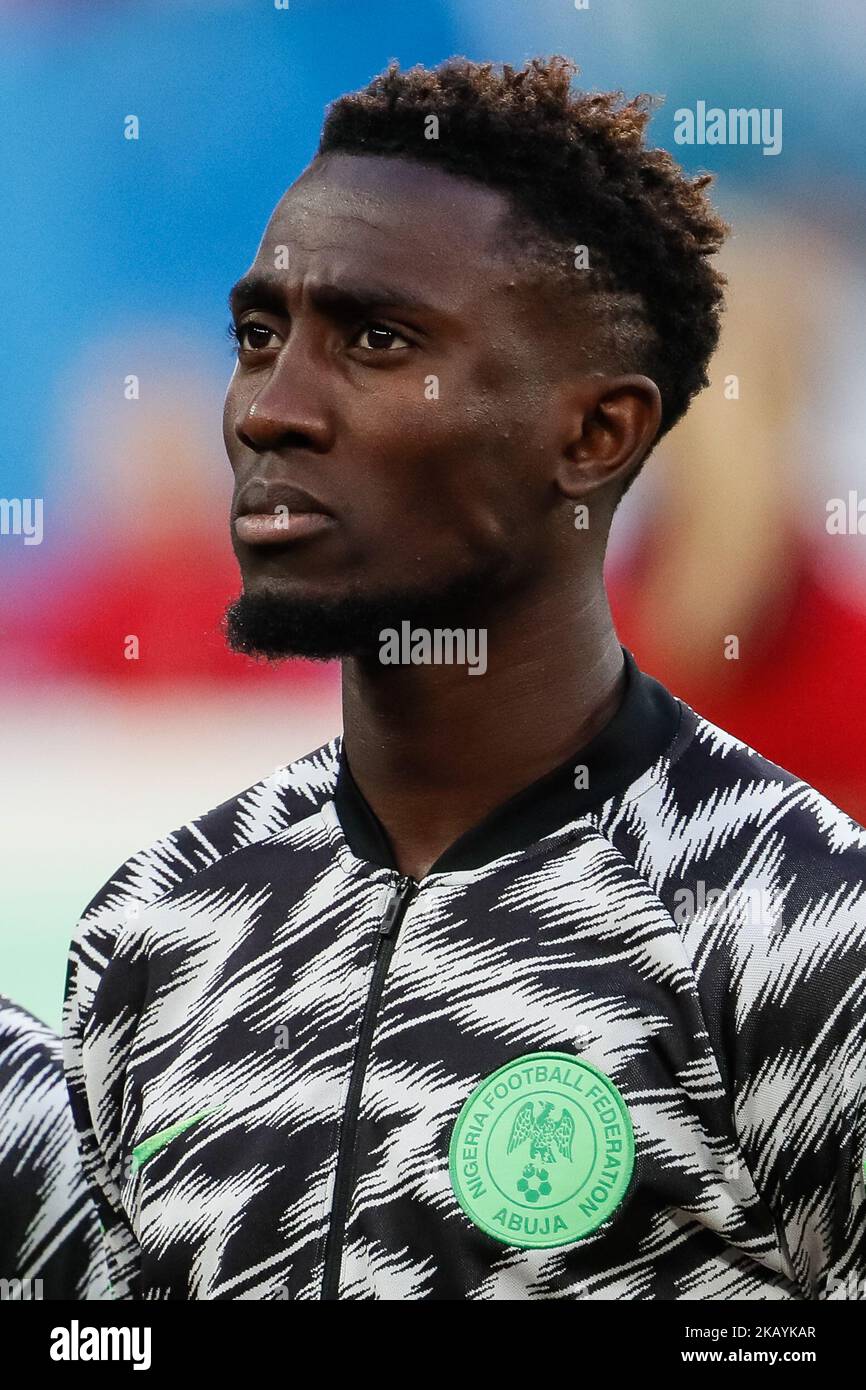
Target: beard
275 626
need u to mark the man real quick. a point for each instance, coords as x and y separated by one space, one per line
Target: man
534 984
50 1244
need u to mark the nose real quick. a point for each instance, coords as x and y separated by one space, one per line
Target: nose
287 409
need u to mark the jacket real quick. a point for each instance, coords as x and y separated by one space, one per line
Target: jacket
612 1045
50 1241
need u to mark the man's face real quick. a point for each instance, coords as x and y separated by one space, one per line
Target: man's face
392 379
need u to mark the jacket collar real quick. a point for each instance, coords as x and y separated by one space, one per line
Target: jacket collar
633 739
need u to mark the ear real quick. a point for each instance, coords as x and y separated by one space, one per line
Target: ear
610 426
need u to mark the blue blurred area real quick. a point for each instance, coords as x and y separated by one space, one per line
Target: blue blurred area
104 231
803 57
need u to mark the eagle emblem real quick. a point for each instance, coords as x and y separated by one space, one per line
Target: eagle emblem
542 1132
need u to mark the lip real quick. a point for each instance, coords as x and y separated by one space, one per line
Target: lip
268 528
277 513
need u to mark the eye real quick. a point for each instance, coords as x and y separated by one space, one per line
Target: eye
251 336
375 332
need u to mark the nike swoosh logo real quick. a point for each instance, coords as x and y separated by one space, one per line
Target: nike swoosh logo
148 1147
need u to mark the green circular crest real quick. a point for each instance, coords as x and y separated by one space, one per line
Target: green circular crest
542 1152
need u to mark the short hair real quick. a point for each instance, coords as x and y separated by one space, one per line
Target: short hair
577 171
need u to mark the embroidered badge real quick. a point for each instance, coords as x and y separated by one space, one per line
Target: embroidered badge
542 1152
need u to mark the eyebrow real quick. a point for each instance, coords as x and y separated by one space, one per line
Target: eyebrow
268 293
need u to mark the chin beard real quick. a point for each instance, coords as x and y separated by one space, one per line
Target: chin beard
273 626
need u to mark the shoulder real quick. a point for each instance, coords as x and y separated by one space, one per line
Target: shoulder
28 1048
763 875
277 803
743 854
711 805
273 804
731 794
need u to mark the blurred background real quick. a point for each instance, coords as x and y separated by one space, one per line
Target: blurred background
120 254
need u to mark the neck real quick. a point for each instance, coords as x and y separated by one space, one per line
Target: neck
435 749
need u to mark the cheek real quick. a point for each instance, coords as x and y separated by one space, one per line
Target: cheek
464 439
462 484
494 467
230 439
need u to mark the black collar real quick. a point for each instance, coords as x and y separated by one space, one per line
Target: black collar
637 735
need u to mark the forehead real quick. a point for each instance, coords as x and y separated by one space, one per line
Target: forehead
394 220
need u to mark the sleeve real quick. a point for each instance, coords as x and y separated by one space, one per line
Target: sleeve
50 1244
98 1023
106 985
103 1001
798 1024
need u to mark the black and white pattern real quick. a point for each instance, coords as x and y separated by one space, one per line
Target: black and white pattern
700 937
50 1244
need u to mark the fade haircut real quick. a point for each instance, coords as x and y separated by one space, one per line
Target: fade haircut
577 172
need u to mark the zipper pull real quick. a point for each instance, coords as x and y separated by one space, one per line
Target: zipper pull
394 909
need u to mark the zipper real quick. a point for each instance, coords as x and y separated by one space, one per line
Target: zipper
386 939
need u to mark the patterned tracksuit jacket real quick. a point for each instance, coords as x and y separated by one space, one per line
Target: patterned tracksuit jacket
297 1074
50 1246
